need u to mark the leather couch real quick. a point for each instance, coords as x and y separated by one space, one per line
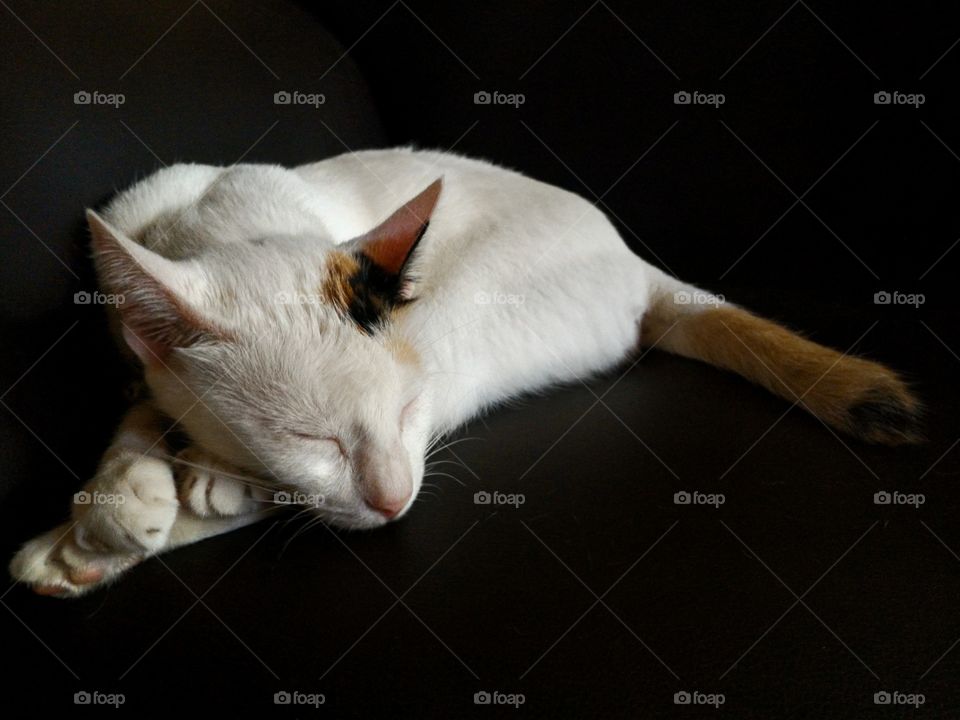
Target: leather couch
601 594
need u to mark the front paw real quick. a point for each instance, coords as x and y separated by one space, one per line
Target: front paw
56 564
124 514
210 488
130 506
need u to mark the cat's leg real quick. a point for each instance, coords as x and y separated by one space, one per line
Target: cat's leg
211 489
123 513
128 511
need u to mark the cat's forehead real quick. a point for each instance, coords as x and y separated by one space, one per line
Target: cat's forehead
332 375
309 281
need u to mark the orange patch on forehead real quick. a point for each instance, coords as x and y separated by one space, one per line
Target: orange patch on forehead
337 287
403 351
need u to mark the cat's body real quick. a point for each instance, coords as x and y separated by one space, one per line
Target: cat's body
298 346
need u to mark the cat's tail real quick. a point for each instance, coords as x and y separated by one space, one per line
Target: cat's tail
859 397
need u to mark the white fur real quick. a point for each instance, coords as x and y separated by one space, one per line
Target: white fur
564 299
494 231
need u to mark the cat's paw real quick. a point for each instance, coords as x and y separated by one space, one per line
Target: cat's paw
209 488
56 563
129 507
124 514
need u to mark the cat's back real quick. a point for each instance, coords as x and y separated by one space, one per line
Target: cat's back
186 209
509 211
378 181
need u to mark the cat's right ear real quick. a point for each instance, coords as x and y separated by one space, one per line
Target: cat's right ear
151 294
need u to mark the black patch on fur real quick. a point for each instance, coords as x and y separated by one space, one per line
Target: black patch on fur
374 292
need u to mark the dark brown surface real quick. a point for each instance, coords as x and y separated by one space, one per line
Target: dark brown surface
598 596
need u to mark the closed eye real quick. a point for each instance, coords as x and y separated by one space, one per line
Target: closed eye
335 441
408 410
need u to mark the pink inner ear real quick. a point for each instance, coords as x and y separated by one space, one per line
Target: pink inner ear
156 319
390 243
149 353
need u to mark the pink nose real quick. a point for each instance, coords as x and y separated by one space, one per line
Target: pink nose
388 507
385 482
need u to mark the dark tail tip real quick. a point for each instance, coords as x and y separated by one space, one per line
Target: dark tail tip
888 416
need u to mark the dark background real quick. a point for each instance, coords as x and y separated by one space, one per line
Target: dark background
708 194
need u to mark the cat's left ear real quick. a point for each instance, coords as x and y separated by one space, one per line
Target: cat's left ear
155 305
390 247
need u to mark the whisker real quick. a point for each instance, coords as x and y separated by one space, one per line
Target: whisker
448 462
297 515
437 473
252 482
451 444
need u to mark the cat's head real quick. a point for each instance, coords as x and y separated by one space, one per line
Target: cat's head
282 357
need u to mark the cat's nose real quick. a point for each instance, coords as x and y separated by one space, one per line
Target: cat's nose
387 505
386 482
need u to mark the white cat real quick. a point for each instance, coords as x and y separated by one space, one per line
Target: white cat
314 329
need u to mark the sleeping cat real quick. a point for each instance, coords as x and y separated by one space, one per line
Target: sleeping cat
313 330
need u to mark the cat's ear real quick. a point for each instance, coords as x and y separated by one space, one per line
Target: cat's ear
391 245
151 292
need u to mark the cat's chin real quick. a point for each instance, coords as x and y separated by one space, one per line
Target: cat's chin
357 521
